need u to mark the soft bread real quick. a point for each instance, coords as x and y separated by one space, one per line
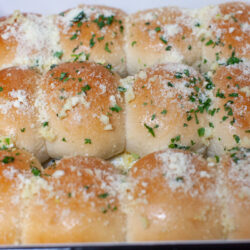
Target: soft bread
18 115
79 203
93 33
226 36
173 197
163 109
28 39
81 111
17 167
159 36
235 181
231 99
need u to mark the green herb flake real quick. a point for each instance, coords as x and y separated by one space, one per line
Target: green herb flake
201 132
211 125
116 108
58 54
170 84
157 29
217 158
100 38
153 117
233 95
150 129
107 47
163 40
103 195
87 141
35 171
210 42
8 159
121 89
233 59
133 43
164 112
85 88
91 41
236 138
168 48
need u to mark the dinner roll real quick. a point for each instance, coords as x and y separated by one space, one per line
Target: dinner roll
79 203
173 197
28 39
227 36
95 33
161 35
18 116
81 111
236 177
231 121
16 170
165 108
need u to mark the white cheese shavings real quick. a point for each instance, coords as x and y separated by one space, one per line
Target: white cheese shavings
71 102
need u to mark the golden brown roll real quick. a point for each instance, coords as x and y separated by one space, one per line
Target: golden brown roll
17 168
161 35
173 197
235 179
230 123
18 116
79 203
28 39
93 33
227 36
165 108
81 111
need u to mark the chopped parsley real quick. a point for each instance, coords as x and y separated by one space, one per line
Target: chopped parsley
85 88
236 138
45 124
121 89
163 40
87 141
1 89
58 54
81 15
164 112
233 59
107 47
217 158
22 130
233 95
168 48
201 132
133 43
35 171
116 108
210 42
62 76
211 125
91 41
170 84
220 94
178 75
150 129
102 21
103 196
8 159
158 29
